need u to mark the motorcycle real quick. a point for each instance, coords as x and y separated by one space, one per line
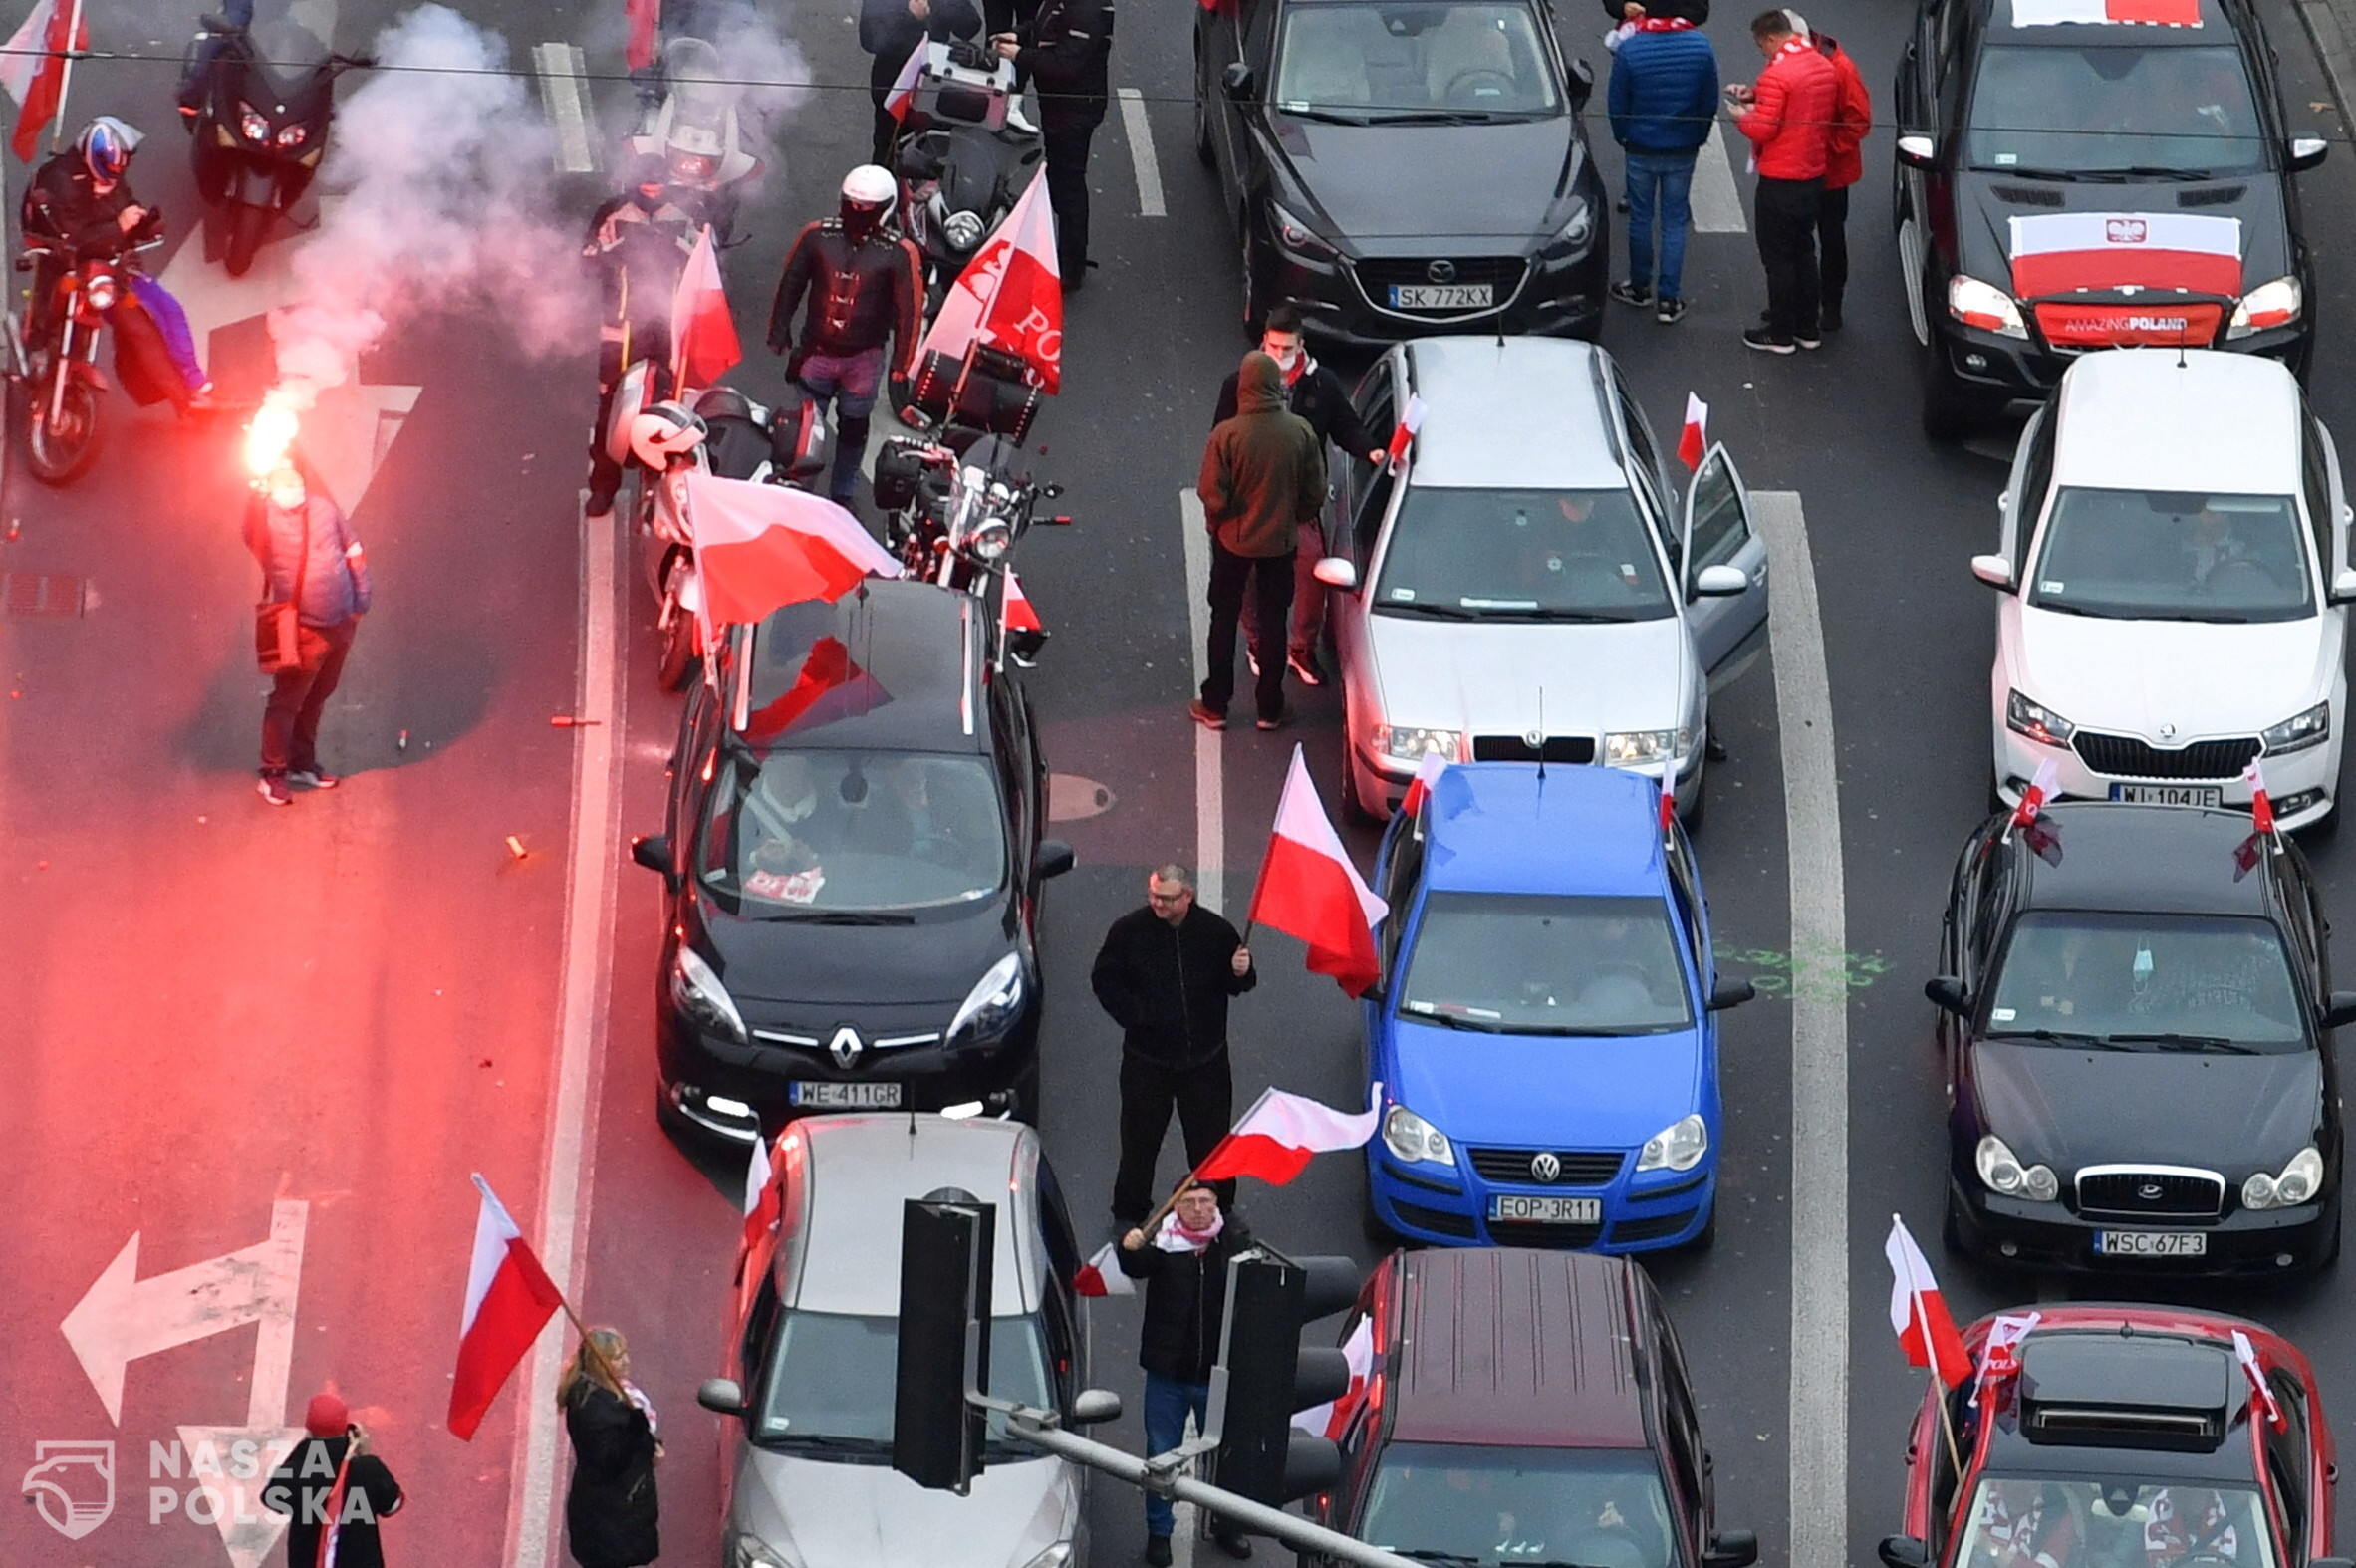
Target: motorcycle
53 350
694 125
963 169
257 139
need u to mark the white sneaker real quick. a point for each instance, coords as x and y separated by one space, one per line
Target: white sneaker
1018 119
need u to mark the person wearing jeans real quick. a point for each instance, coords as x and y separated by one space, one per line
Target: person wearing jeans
311 558
851 382
1664 106
1787 117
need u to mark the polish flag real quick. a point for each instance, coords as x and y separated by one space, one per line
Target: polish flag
2155 13
1309 889
509 1300
759 547
763 1195
1418 788
2040 790
703 342
903 96
1692 445
1277 1136
33 69
1667 805
2000 1353
2058 252
2261 1394
644 16
1917 1314
1011 295
830 686
2261 805
1100 1275
1408 424
1331 1419
1020 616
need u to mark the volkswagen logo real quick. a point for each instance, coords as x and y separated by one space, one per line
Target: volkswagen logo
1441 271
846 1046
1545 1167
2167 732
2149 1191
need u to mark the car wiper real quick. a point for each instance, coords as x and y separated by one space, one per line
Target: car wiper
2148 171
1449 116
1327 116
845 917
2100 1042
1449 1020
1439 611
2189 1042
824 1442
2012 170
1424 1555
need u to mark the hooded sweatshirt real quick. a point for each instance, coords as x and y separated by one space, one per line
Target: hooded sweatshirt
1263 473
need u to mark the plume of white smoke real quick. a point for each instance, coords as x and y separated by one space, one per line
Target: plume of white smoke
773 75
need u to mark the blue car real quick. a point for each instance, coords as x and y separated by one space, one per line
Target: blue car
1544 1032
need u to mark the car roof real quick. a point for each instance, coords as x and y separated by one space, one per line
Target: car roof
1512 414
1517 1346
2160 419
917 644
860 1172
2161 859
2219 21
1512 827
2123 1384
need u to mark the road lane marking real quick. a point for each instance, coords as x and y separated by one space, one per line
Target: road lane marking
564 93
1211 779
1717 204
1819 1508
1140 152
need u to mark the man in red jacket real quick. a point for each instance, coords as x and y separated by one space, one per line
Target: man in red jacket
1844 166
1788 118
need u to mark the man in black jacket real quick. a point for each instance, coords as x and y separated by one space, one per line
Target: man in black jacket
891 31
1065 48
333 1464
1165 974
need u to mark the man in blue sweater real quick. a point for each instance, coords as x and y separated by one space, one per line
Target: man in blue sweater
1664 105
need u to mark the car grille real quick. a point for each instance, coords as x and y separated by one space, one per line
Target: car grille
2135 1193
1569 749
1653 1227
1377 274
1580 1168
1531 1233
2122 756
1439 1222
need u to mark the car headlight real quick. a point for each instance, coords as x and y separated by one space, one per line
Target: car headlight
2003 1173
1578 231
2276 304
291 136
1405 743
749 1553
2296 734
251 125
1983 305
962 229
702 998
1416 1141
990 1006
1056 1556
1296 235
1646 745
1677 1147
2037 721
2298 1184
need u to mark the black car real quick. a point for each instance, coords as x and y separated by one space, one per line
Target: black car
854 859
1403 167
2071 185
2136 1017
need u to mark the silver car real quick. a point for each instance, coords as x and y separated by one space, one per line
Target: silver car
1530 586
809 1458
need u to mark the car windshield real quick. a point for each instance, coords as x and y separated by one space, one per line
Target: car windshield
1552 555
803 833
2114 110
2116 1519
1525 963
1481 1507
828 1386
2168 555
2146 981
1384 62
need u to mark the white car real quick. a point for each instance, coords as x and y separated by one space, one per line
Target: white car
2174 561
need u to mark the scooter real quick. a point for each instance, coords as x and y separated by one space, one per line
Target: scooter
965 166
258 138
694 125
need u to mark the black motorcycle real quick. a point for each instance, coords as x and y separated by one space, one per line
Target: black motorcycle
258 138
964 167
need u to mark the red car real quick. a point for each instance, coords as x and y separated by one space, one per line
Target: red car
2122 1437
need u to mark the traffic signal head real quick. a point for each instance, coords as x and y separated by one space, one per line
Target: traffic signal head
1268 1375
945 1245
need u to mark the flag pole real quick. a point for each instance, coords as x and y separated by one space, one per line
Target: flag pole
65 81
1191 1180
1947 1421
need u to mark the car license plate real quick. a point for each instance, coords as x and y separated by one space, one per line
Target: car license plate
845 1097
1546 1210
1440 296
2168 794
2151 1243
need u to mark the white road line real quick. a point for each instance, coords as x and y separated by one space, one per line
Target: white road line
583 987
1717 204
1819 1417
1140 152
1211 778
564 93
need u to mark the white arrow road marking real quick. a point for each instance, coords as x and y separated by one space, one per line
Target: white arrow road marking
237 1461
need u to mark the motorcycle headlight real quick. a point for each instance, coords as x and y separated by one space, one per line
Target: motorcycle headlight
1405 743
990 538
990 1006
291 136
1983 305
2298 1184
1296 235
2299 732
702 998
2003 1173
1646 745
2276 304
962 229
252 125
1415 1141
1677 1147
2037 721
98 293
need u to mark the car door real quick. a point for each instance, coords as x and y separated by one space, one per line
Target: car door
1218 43
1719 532
2023 500
1357 513
1067 1312
1914 99
1248 37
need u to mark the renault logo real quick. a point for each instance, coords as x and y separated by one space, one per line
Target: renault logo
1441 272
1545 1167
846 1046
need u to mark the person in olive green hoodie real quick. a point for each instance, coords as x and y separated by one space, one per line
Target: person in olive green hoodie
1264 475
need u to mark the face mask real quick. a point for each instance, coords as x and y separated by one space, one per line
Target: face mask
645 203
287 496
1286 358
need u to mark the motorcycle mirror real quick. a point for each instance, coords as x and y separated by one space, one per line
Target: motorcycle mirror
1051 489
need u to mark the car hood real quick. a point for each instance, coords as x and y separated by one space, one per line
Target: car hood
1494 679
1392 190
936 960
2206 680
1986 202
2074 1107
830 1516
1547 1090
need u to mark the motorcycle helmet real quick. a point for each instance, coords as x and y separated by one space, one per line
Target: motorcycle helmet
869 194
665 431
106 146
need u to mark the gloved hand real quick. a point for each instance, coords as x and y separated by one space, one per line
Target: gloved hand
781 344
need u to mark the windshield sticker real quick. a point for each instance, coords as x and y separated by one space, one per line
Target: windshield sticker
2065 252
2002 1014
2007 157
2052 584
2148 13
799 887
1403 592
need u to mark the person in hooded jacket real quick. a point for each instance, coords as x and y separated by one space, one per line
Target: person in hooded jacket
1263 476
309 555
612 1512
304 1488
891 31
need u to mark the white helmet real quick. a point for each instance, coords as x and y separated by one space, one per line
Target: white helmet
665 431
870 187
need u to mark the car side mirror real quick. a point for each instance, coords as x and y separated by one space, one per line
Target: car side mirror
1903 1551
1947 992
1092 1406
722 1395
1720 582
2339 1010
1732 1549
1730 993
1997 571
2343 586
2304 152
1236 81
1339 571
1054 858
653 851
1917 150
1582 83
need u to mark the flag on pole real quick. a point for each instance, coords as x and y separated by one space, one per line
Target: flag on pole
2261 1394
1331 1419
33 69
1419 788
509 1300
1010 295
703 342
1695 443
1667 805
1100 1275
1918 1313
830 686
760 547
903 96
643 15
1403 432
2000 1353
1277 1136
762 1194
2040 790
2261 805
1309 889
1021 615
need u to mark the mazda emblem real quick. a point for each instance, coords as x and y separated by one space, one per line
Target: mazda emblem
846 1046
1441 272
2149 1191
1545 1167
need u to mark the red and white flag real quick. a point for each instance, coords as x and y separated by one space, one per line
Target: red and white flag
1277 1136
1010 295
2156 13
644 16
33 69
2261 1394
2040 790
703 342
1418 788
2000 1353
763 1194
1309 889
1100 1275
903 96
760 547
1694 444
2261 805
830 686
1918 1313
1331 1419
2058 252
1020 616
509 1300
1410 423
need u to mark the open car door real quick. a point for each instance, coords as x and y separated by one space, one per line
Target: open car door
1727 630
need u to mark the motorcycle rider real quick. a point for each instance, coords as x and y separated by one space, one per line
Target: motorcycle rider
865 285
1065 48
638 245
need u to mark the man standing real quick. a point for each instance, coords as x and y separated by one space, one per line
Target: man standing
333 1484
1263 476
1065 48
891 31
1165 974
1844 166
310 558
1664 106
1788 118
1316 394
